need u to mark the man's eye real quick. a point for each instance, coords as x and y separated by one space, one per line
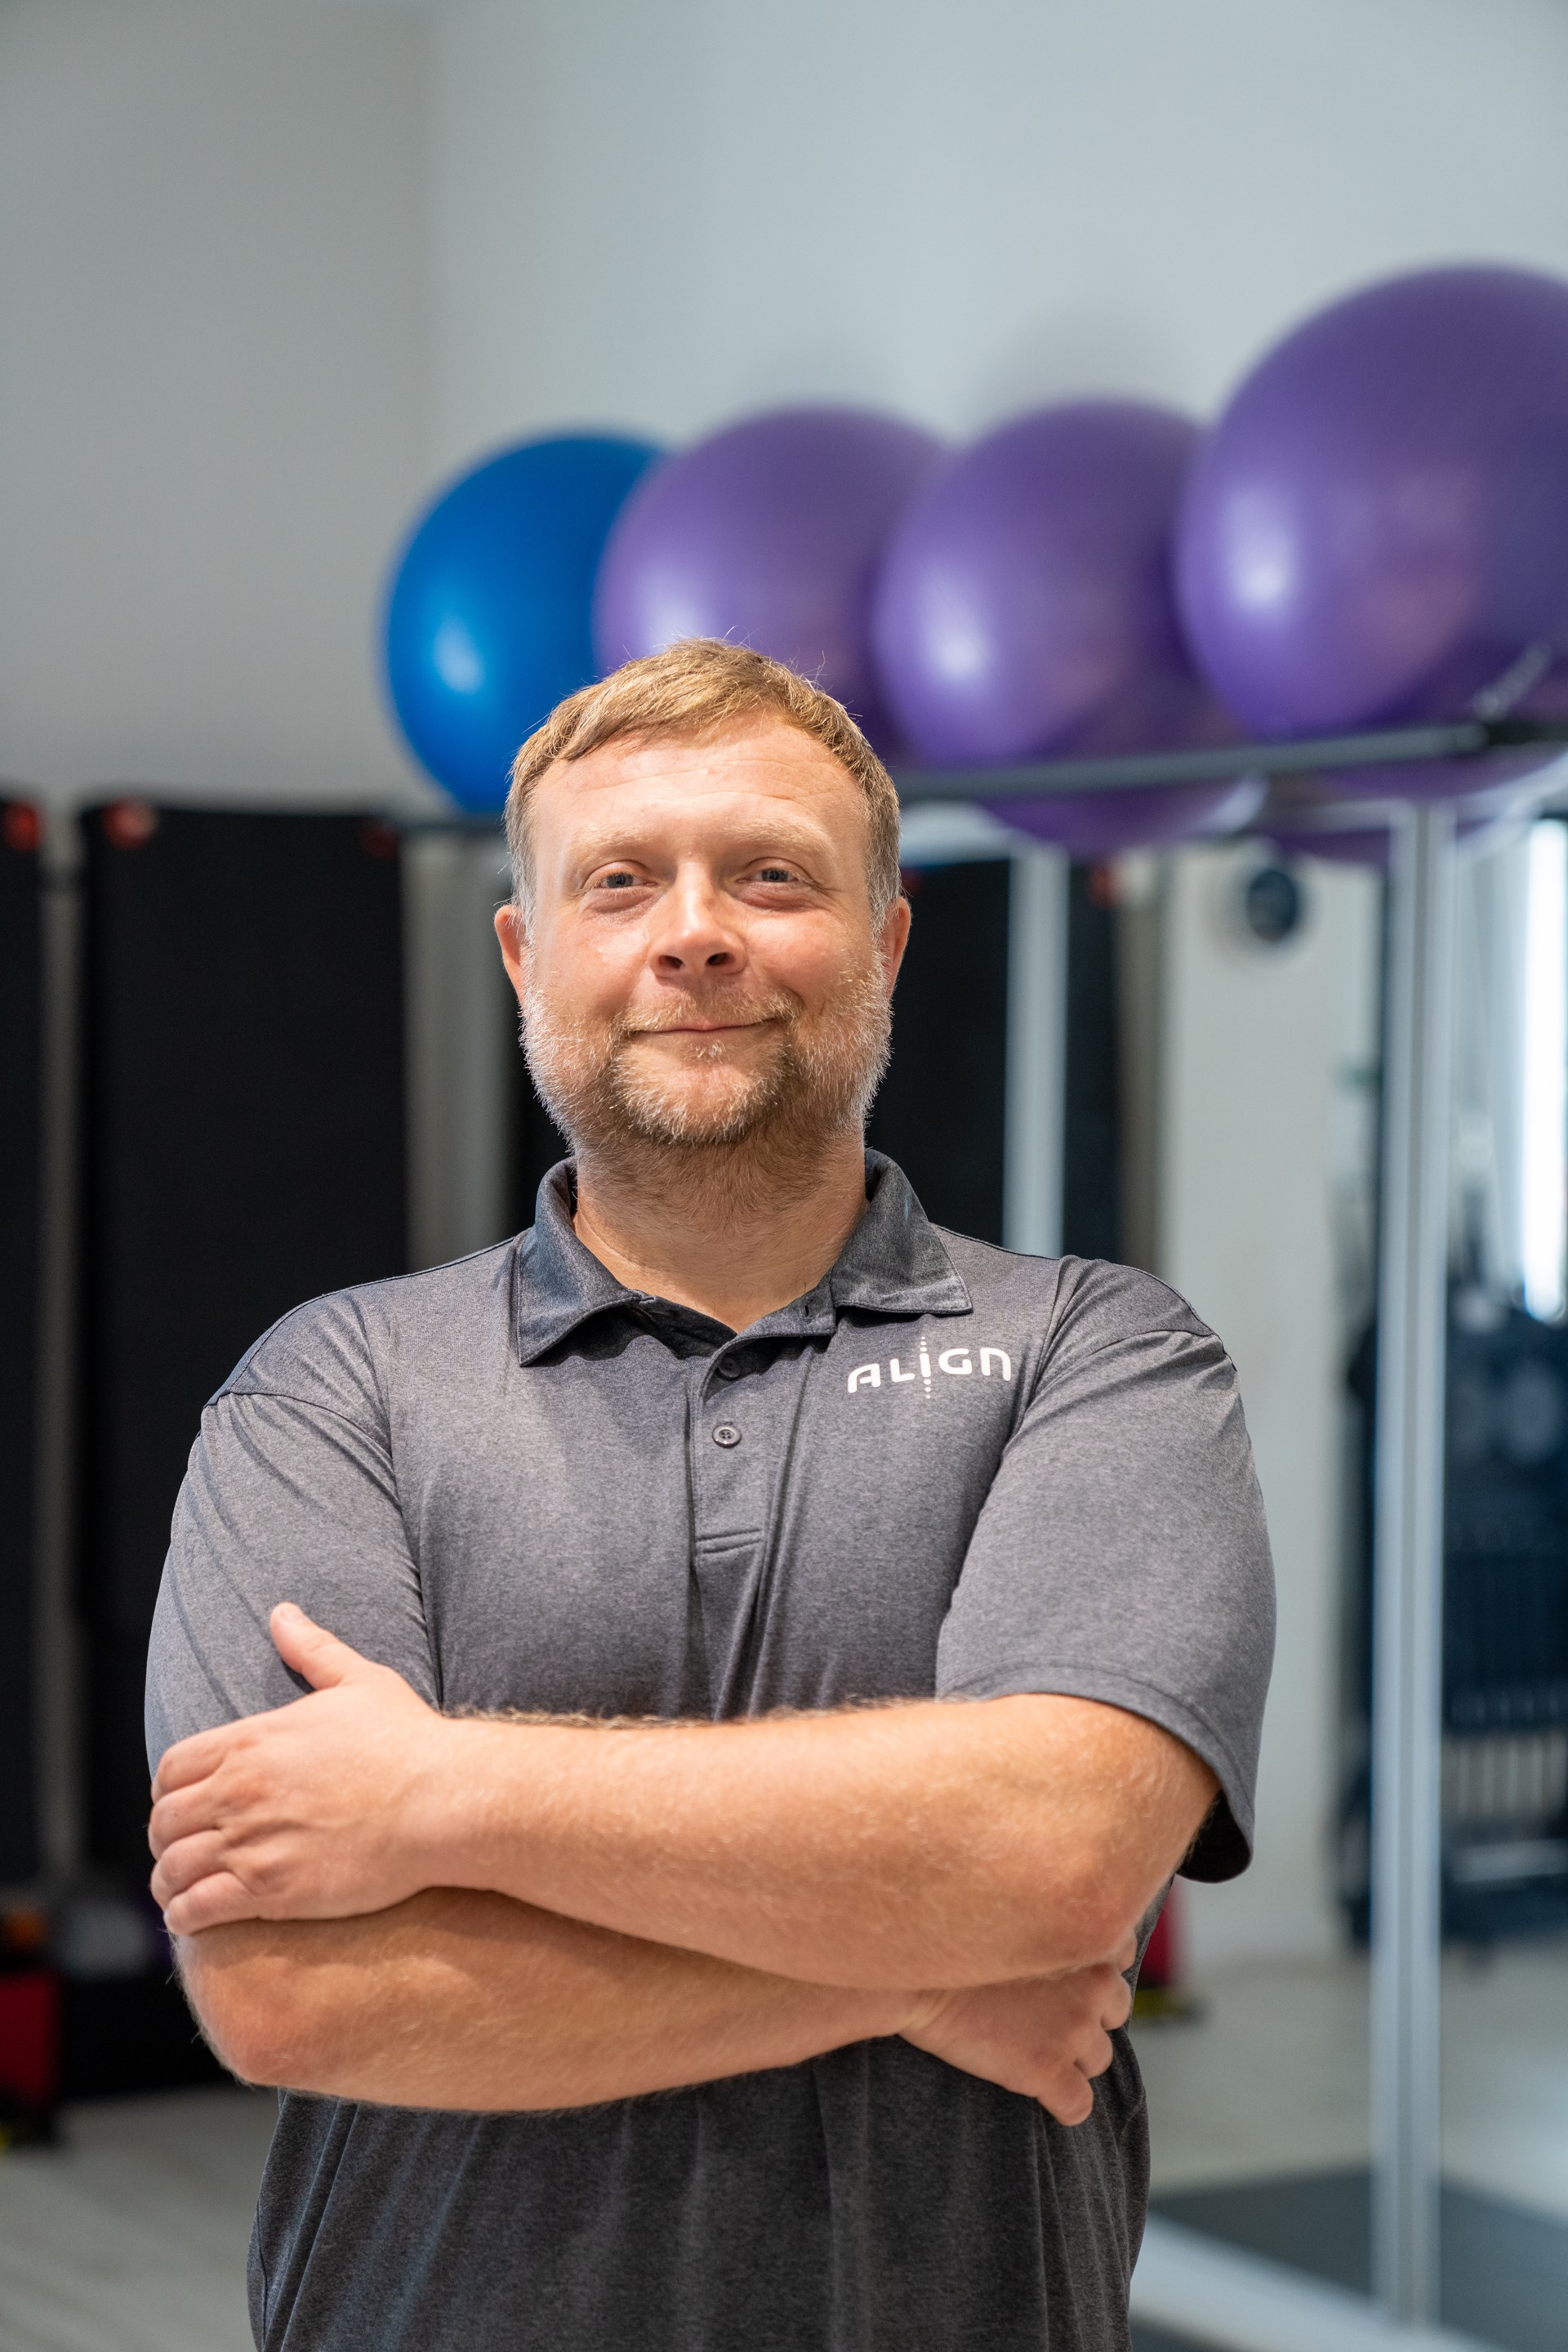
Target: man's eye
621 879
775 874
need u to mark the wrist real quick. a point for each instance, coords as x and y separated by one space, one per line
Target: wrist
464 1804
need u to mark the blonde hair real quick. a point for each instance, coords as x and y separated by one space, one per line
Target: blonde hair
697 690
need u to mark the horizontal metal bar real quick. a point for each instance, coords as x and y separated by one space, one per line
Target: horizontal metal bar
1463 739
477 822
1393 747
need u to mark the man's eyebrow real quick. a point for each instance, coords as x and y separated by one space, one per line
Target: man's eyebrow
633 843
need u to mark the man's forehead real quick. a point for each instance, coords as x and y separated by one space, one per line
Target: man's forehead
772 773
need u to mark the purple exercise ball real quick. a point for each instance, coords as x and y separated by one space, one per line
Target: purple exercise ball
1025 609
1376 529
769 532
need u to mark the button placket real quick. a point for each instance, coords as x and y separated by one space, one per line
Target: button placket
728 1449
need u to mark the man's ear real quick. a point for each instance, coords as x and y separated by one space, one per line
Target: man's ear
895 938
513 933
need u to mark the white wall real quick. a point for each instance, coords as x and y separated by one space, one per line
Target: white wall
267 267
660 214
214 389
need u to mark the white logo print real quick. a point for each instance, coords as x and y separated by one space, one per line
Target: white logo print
956 1361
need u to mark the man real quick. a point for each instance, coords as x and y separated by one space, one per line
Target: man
764 1652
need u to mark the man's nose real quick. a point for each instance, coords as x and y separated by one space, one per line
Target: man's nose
695 933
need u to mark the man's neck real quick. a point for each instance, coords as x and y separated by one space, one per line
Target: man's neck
705 1231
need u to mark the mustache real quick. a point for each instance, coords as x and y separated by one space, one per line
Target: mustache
774 1110
749 1011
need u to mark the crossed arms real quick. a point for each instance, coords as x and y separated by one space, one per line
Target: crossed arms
379 1902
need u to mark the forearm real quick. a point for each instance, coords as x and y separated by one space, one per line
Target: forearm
933 1845
939 1845
467 1999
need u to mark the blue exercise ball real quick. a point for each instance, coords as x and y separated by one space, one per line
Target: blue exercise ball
489 614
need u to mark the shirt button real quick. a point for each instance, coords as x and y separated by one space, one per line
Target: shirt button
728 1370
726 1434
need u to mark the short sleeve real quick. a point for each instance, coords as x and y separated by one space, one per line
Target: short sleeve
289 1496
1122 1553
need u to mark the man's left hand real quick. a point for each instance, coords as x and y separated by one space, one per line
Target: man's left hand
313 1811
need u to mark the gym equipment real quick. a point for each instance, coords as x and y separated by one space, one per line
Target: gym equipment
30 2030
941 1111
1093 1105
1347 844
1377 528
487 615
1025 607
21 946
1088 830
1357 832
1505 1623
242 1150
768 532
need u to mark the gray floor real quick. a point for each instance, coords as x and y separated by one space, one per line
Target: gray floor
1504 2267
1275 2078
130 2235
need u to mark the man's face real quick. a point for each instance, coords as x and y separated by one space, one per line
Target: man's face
699 966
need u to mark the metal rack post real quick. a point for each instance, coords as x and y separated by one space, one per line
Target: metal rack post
1408 1589
1036 1053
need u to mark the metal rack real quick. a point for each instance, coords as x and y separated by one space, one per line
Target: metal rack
1407 1737
1306 756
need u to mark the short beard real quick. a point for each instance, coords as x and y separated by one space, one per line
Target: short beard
764 1139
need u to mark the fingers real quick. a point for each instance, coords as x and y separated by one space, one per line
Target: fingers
309 1649
1068 2096
1069 2093
312 1650
181 1815
191 1759
181 1863
214 1901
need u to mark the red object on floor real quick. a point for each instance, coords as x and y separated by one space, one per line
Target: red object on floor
30 2037
1161 1969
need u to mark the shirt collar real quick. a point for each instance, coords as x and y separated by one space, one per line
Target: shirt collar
892 1264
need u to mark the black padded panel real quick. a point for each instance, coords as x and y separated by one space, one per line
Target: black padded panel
242 1149
20 1014
1091 1117
943 1107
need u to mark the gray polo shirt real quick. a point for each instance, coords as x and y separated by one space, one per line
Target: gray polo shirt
946 1470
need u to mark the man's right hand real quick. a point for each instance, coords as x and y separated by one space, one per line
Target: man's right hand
1046 2037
